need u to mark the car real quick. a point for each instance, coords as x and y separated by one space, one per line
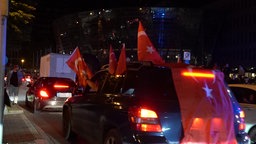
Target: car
149 103
246 96
49 93
27 79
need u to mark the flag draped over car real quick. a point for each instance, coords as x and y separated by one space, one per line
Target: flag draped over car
146 50
112 61
121 65
78 65
208 117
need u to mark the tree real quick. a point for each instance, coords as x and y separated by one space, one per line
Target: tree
21 16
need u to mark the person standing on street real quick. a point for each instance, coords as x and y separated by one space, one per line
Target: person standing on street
14 80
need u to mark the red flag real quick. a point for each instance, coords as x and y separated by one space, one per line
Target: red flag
121 65
78 65
112 61
208 116
146 50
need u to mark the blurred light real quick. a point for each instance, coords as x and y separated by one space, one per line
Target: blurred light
198 74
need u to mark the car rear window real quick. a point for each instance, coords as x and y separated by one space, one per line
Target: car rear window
152 82
52 81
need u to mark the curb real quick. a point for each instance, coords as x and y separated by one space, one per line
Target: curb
14 109
40 136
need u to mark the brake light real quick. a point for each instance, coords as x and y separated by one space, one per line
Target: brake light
144 120
242 123
198 74
199 123
43 93
60 86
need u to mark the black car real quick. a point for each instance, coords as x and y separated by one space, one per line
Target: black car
49 93
170 103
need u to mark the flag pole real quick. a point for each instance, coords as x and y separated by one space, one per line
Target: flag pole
3 29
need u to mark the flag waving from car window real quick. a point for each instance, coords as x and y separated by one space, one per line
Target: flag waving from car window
121 65
146 50
78 65
112 61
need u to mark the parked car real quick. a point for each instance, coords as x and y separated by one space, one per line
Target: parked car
49 93
246 96
170 103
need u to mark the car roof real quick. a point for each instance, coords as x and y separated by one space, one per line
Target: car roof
249 86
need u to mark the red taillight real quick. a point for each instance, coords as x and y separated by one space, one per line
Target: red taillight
144 120
242 123
60 86
199 123
198 74
43 93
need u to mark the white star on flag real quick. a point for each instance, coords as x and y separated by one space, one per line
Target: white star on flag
150 49
207 91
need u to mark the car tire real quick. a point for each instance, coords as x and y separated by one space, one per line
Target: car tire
66 126
112 137
252 135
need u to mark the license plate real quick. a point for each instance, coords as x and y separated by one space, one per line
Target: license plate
63 94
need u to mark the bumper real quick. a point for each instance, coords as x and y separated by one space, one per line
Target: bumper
52 105
243 138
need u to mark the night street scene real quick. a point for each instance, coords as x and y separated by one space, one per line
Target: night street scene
132 71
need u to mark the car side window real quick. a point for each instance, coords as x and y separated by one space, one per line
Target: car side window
37 83
244 95
113 84
96 81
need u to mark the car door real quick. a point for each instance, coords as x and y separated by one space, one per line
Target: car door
86 111
246 97
31 93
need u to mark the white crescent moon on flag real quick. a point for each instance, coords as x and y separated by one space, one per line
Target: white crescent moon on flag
111 55
141 33
76 63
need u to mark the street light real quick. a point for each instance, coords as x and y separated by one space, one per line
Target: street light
22 61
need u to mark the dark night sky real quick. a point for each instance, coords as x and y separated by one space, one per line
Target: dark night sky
67 6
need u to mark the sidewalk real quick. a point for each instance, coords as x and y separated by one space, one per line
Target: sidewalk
17 128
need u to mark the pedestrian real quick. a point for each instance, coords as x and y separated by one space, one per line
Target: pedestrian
226 70
241 73
14 80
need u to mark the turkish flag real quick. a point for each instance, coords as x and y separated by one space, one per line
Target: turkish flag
207 115
78 65
146 50
112 61
121 65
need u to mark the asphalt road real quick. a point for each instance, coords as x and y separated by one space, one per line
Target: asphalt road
49 122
